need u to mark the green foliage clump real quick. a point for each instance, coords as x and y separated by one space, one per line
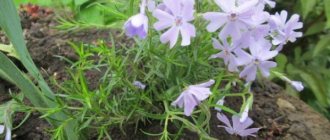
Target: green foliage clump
76 110
116 102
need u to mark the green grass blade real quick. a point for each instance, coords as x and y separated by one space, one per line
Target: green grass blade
10 23
10 71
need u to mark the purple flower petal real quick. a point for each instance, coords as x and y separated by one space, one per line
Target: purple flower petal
2 129
243 57
236 122
270 3
151 4
171 36
137 25
283 30
247 123
223 118
226 5
176 16
192 96
249 72
187 13
232 66
206 84
165 20
227 54
238 128
179 101
187 31
248 132
172 5
245 113
190 102
247 6
297 85
139 85
220 103
265 66
230 29
216 22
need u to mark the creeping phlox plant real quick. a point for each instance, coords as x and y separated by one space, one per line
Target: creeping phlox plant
190 57
247 38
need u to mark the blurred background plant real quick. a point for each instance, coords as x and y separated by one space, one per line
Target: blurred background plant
82 14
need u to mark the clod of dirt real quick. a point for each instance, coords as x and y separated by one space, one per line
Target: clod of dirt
284 104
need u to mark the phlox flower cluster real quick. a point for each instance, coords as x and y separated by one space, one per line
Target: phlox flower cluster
256 37
248 38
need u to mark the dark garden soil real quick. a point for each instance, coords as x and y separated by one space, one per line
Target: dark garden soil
279 115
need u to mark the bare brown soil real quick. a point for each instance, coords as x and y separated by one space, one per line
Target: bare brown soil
280 115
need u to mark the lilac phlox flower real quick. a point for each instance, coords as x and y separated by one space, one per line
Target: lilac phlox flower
297 85
227 54
283 30
234 18
257 28
258 59
151 4
193 96
220 103
270 3
262 3
139 85
237 127
175 16
245 113
257 25
163 7
137 25
8 132
2 129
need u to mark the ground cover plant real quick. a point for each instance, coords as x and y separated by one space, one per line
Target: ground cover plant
298 59
184 63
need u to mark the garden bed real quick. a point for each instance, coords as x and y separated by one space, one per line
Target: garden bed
279 115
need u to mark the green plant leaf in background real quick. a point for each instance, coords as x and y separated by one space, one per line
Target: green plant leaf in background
316 28
66 2
323 43
79 2
11 72
307 6
10 23
9 49
327 11
39 2
92 14
281 60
